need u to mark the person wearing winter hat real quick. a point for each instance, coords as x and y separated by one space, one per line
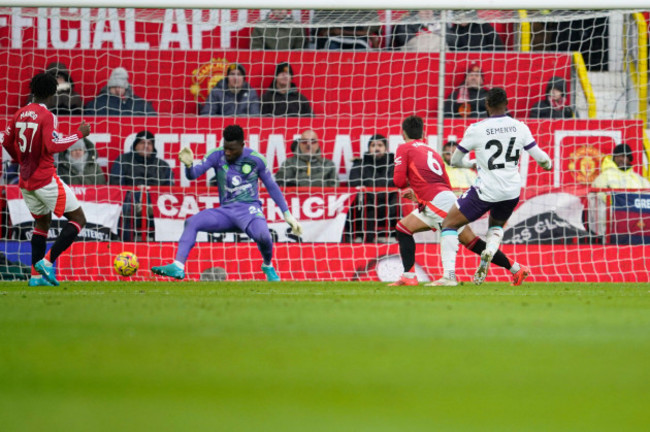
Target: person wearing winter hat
283 98
66 101
78 166
141 166
233 95
554 105
468 100
116 98
617 172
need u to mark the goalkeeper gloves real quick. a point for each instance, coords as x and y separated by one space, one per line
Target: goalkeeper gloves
293 223
186 157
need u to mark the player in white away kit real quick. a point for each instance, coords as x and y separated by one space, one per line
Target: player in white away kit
497 143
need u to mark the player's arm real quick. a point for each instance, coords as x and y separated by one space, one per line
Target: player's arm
276 194
55 142
540 156
401 163
460 159
186 157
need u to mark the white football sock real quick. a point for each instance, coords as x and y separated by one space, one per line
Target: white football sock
494 237
448 252
179 264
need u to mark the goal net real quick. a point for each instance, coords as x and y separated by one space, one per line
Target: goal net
321 95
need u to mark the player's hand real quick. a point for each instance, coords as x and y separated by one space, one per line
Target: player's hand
293 223
409 195
84 128
186 157
548 165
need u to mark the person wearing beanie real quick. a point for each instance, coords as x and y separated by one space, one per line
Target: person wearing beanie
232 96
66 101
617 172
468 100
116 98
283 98
554 105
141 166
276 32
78 165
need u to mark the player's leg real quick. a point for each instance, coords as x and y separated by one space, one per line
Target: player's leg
210 220
39 245
68 234
499 214
467 208
406 227
258 230
477 245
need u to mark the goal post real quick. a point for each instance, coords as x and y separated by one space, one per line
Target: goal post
361 72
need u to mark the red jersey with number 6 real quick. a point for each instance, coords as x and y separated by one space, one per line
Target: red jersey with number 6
421 168
31 139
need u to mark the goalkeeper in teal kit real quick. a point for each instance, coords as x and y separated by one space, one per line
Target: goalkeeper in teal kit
238 171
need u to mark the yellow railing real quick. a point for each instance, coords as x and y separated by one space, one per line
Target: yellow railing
524 31
581 71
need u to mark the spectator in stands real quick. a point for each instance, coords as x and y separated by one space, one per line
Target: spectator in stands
283 98
473 36
617 172
116 98
460 178
468 100
376 208
77 165
66 101
308 167
277 32
233 95
358 34
141 166
554 105
375 169
418 31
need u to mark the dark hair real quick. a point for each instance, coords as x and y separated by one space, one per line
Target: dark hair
413 126
233 133
378 137
43 85
450 144
496 97
623 149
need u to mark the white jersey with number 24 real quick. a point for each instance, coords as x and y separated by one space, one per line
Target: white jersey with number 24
497 143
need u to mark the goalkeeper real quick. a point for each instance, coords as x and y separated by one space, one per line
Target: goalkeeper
238 170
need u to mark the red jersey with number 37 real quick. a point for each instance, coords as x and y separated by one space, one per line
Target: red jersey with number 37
32 139
421 168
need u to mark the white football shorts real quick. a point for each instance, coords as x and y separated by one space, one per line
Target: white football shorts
436 210
56 197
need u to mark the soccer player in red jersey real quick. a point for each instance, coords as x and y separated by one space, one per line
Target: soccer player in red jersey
32 139
422 170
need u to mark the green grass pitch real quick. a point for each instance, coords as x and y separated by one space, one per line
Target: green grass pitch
301 356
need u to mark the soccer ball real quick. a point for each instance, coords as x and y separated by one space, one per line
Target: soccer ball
126 264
